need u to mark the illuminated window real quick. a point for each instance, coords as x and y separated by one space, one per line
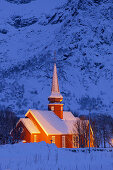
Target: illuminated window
75 141
53 139
63 141
35 138
52 108
61 108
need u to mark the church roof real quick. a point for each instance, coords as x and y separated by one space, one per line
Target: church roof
29 125
69 116
52 124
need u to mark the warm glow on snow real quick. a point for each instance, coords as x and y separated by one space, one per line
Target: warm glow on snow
112 141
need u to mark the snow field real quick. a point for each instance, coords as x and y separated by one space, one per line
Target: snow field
42 156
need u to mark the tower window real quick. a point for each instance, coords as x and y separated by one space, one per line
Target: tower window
52 108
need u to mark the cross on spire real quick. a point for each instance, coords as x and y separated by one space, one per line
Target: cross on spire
54 56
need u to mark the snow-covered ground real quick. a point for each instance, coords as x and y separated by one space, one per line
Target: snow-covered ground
81 33
42 156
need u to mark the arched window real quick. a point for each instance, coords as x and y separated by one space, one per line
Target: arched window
20 129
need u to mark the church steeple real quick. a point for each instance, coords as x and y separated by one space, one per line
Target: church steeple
55 98
55 92
55 85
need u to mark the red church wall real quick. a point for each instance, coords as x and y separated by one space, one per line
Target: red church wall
69 143
58 140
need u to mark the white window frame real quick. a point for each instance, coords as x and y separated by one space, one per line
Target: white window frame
53 139
52 108
35 138
63 141
75 139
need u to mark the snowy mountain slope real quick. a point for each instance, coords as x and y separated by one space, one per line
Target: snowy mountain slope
81 33
44 156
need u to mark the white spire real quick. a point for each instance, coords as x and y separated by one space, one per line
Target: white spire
55 85
55 92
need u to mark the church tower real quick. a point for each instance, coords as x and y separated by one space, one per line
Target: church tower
55 98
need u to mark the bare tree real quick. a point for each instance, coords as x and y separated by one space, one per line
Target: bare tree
7 121
103 129
80 130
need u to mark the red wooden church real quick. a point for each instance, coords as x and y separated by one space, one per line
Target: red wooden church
54 125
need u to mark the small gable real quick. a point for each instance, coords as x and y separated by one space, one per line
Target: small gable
29 125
